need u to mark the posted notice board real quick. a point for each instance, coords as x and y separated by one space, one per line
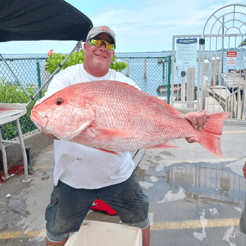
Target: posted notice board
186 52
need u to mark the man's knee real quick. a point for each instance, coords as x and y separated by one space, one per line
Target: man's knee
142 225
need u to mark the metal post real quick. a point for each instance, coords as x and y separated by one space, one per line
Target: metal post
163 68
19 83
39 79
223 32
23 150
4 156
169 79
204 82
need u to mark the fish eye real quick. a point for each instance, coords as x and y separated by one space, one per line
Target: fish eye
59 101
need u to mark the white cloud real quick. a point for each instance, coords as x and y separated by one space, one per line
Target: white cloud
140 25
150 25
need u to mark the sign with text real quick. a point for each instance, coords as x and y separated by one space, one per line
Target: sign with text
231 58
186 52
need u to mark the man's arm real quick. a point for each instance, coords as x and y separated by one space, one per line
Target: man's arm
244 170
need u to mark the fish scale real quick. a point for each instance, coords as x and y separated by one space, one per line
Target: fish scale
116 117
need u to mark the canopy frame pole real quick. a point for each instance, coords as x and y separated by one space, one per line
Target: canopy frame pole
16 77
77 47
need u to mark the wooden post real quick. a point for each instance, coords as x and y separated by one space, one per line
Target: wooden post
145 68
217 70
127 68
206 68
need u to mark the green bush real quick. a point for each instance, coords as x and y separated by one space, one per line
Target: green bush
15 94
54 60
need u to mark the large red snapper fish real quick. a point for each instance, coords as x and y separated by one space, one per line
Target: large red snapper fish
116 117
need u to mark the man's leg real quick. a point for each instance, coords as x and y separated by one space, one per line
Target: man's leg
130 203
52 243
242 224
146 236
66 211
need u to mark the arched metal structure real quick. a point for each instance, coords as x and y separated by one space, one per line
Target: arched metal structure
226 18
225 33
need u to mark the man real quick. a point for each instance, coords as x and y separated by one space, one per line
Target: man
83 174
50 52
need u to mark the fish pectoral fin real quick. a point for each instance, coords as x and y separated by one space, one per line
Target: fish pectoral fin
82 127
102 134
108 151
163 145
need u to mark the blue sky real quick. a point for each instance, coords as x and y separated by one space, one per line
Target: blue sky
140 25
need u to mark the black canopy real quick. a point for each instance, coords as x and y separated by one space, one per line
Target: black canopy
42 20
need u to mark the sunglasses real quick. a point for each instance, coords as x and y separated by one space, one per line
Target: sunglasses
99 43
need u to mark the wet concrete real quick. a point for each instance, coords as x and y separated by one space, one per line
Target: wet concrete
195 197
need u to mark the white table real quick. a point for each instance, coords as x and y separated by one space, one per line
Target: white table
12 112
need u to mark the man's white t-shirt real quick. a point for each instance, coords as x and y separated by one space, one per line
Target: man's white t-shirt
80 166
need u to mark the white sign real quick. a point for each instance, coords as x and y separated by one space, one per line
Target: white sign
186 52
231 58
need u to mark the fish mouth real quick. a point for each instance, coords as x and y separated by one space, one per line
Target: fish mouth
37 118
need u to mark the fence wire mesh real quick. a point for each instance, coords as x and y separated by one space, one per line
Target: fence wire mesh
150 74
16 76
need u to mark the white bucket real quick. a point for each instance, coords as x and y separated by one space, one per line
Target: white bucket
93 233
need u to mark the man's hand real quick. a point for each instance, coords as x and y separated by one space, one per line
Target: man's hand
198 121
244 170
50 135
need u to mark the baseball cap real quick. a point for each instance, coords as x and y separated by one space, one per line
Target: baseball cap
100 29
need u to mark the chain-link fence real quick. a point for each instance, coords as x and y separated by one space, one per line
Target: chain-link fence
150 74
17 76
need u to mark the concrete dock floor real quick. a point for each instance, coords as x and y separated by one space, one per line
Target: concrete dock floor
195 197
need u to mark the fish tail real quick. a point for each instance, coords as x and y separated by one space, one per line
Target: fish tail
211 143
213 127
216 122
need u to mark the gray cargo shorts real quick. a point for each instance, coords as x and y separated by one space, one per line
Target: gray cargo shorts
242 224
69 206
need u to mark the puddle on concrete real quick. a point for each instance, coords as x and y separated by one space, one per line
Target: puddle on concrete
163 153
215 183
